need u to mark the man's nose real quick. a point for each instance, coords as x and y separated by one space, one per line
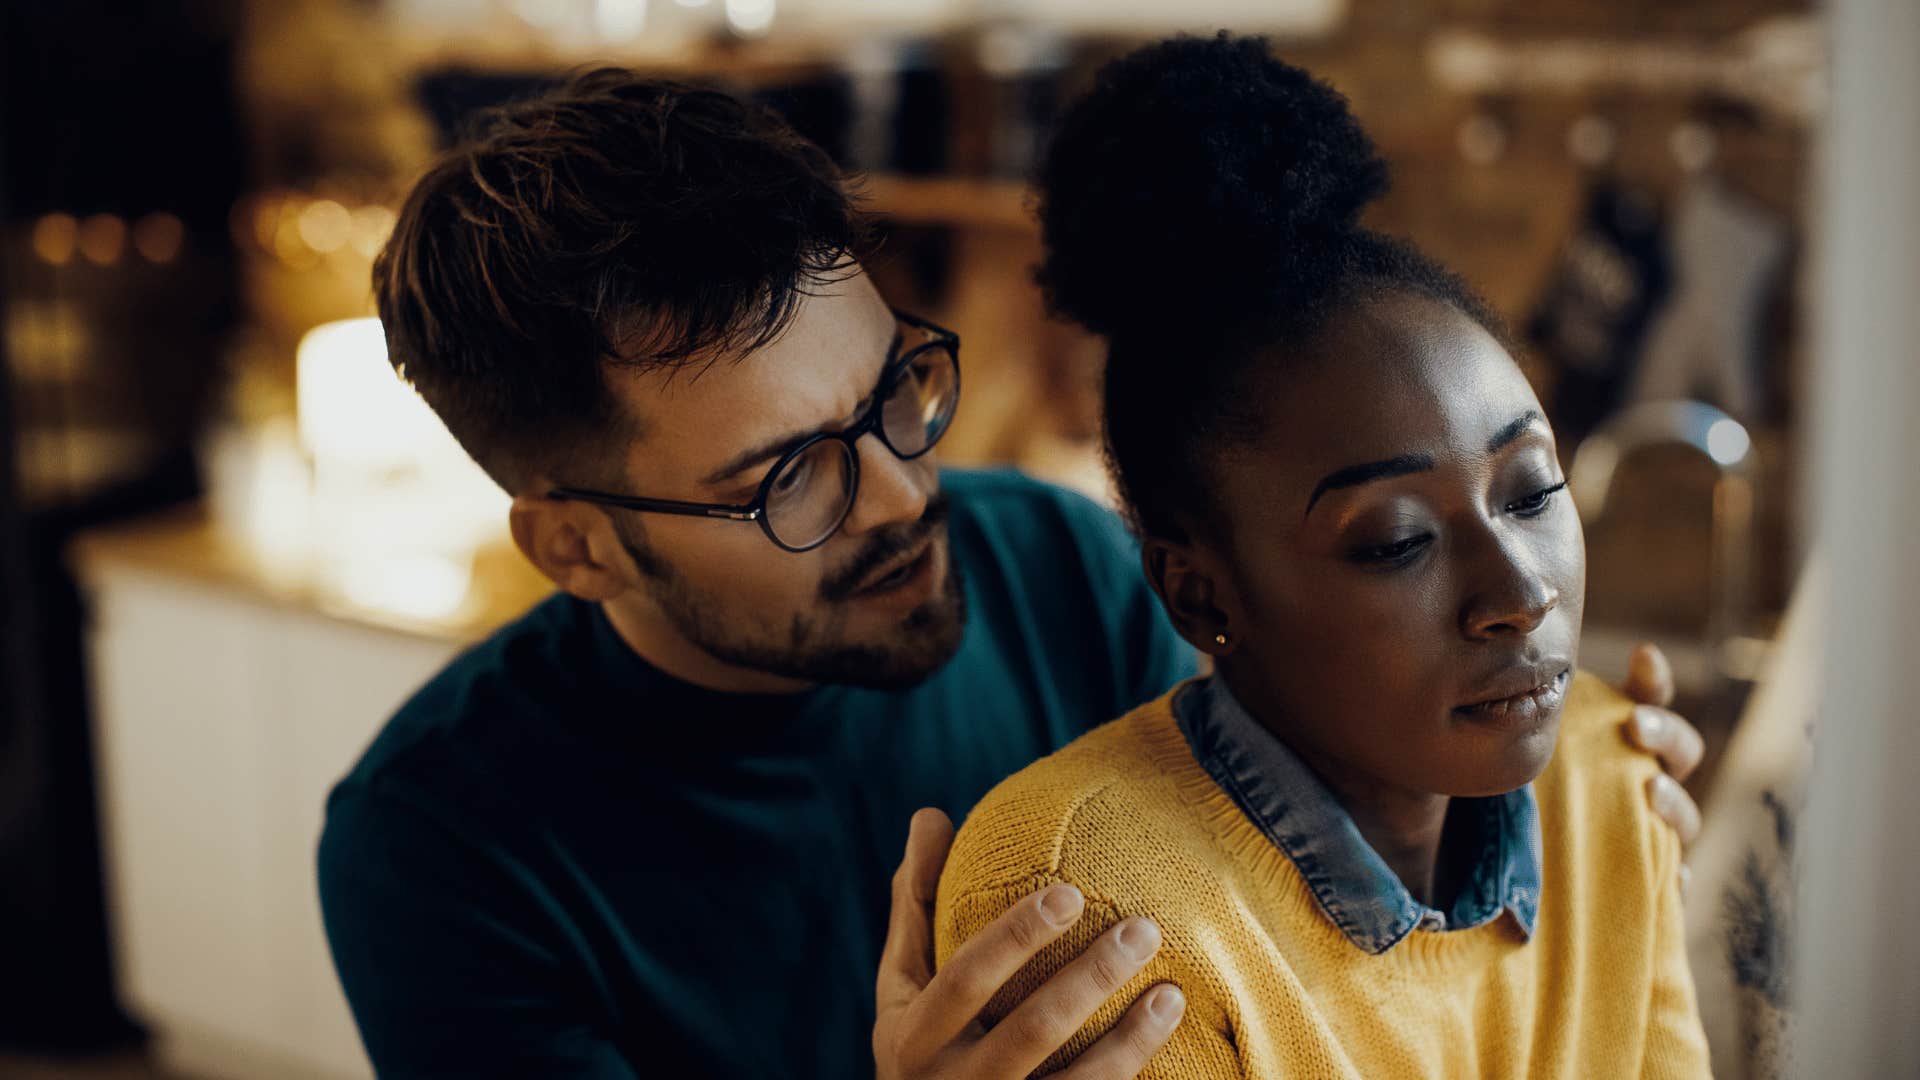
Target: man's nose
891 492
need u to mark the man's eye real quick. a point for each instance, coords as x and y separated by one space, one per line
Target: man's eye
1536 503
793 476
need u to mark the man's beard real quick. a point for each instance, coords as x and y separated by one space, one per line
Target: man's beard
898 657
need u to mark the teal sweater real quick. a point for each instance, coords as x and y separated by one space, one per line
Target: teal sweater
557 861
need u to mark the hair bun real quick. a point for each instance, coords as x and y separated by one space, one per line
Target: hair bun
1196 172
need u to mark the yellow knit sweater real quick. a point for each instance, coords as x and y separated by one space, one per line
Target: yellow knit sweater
1275 990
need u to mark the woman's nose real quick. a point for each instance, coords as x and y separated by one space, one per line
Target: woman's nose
1512 598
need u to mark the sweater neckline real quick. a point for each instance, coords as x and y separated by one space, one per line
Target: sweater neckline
1249 849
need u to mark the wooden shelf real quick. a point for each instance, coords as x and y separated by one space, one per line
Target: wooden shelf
969 203
187 545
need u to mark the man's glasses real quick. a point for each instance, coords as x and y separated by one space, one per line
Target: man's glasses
810 490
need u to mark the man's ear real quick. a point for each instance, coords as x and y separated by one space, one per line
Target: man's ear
1195 592
554 536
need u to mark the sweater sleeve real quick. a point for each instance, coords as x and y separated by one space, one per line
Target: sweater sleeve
1201 1047
1676 1041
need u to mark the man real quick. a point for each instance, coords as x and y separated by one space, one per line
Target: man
648 829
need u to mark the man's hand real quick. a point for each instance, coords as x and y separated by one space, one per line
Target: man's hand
927 1024
1661 732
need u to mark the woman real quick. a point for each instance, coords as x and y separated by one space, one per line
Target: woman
1394 834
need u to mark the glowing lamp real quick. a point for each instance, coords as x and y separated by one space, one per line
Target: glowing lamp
354 410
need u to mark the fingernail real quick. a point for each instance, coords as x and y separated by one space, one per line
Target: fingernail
1166 1005
1061 904
1663 791
1138 938
1647 723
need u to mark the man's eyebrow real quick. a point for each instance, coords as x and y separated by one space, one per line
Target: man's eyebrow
1355 475
1512 431
779 445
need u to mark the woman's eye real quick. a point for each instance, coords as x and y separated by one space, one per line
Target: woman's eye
1398 551
1537 502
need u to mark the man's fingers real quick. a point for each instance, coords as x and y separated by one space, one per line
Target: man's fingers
1649 676
1123 1052
982 965
1050 1015
1666 736
1674 806
906 962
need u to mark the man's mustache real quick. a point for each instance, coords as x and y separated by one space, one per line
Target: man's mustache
884 547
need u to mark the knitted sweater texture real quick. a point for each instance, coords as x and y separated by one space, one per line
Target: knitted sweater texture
1275 990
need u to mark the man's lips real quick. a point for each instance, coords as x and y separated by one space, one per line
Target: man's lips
896 572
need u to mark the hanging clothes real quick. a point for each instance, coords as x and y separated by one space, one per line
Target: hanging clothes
1706 342
1593 317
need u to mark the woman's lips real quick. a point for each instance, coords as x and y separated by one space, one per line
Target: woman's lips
1525 710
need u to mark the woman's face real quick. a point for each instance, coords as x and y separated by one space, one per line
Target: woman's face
1397 552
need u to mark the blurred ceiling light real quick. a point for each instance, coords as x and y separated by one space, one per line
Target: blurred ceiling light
157 237
750 17
1727 441
619 20
371 227
352 408
691 3
325 225
54 237
102 237
545 14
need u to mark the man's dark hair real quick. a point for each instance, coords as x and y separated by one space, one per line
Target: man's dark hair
612 221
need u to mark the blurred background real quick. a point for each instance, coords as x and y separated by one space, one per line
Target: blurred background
231 542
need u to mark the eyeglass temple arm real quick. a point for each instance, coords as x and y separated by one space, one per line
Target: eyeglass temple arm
659 506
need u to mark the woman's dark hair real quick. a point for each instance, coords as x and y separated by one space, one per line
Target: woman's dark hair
612 220
1200 208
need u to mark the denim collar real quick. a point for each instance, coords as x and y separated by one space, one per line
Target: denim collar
1354 886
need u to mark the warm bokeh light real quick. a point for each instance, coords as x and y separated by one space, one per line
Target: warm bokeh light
750 16
325 225
371 227
158 237
102 238
54 238
619 20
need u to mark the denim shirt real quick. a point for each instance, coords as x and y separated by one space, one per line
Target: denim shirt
1354 886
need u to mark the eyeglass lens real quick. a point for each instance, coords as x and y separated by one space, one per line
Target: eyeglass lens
811 495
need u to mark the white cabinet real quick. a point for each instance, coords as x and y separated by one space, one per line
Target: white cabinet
222 719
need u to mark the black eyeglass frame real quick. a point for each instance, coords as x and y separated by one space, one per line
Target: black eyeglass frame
870 421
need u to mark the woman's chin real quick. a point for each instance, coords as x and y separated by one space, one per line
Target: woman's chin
1512 764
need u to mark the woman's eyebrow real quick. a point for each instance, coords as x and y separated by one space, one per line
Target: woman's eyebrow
1512 431
1355 475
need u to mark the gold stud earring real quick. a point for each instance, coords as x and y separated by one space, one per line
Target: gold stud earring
1219 639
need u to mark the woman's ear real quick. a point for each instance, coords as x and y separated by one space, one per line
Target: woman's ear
554 536
1193 589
